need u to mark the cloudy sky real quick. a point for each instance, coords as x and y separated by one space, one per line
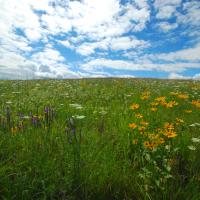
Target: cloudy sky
99 38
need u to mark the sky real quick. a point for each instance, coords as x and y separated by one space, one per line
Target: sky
99 38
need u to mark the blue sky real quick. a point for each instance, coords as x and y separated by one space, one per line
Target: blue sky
99 38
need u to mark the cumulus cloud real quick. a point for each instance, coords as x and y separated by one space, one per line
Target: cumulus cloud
189 55
101 35
179 76
99 64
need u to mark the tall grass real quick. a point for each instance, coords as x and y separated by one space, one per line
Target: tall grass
70 139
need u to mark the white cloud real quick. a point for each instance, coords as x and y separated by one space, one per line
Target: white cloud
188 55
166 8
196 76
99 64
166 26
179 76
124 43
114 44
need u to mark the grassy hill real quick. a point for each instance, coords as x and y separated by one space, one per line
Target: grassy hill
100 139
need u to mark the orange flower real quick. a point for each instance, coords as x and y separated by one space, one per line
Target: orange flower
133 125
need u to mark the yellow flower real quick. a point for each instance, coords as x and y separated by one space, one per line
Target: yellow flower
160 99
161 140
135 141
135 106
139 116
168 126
178 120
133 125
154 103
170 104
183 96
170 133
146 144
144 123
174 93
154 109
153 136
145 97
196 103
141 128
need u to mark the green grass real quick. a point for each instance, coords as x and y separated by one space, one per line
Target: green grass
82 146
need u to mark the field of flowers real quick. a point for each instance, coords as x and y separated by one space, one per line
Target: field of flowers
100 139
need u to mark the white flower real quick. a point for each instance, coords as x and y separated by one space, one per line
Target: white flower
192 148
25 117
196 140
79 116
195 124
75 105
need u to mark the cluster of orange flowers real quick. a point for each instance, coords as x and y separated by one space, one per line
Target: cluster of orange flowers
152 140
162 101
196 103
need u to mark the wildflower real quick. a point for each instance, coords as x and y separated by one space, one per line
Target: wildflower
195 124
79 116
168 126
141 128
144 97
133 125
154 103
153 109
139 116
183 96
170 133
135 106
135 141
146 144
192 148
160 99
153 136
179 121
196 140
161 140
144 123
75 105
174 93
196 103
170 104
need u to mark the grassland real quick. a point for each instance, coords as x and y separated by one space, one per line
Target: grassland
100 139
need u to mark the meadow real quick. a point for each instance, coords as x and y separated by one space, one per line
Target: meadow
100 139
